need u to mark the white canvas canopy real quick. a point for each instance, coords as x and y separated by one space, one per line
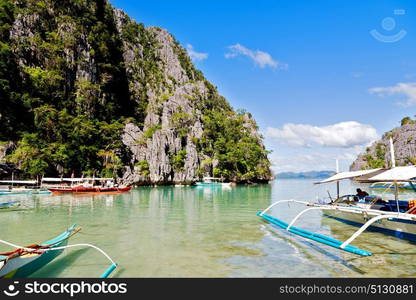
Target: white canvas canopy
349 175
376 175
19 181
396 174
51 179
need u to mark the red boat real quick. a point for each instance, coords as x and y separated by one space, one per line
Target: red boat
83 189
83 185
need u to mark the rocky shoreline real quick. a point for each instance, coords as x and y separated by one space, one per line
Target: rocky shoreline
378 154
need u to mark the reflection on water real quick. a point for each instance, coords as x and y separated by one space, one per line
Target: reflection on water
200 232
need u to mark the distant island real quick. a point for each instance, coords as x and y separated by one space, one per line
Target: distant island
304 175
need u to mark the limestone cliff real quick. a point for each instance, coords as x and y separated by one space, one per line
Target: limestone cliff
92 91
378 154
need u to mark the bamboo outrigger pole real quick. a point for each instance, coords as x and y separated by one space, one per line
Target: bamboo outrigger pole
337 170
393 165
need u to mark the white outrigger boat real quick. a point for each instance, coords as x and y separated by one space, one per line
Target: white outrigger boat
393 217
213 182
18 187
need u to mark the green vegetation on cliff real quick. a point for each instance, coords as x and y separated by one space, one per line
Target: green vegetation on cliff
378 154
62 123
67 91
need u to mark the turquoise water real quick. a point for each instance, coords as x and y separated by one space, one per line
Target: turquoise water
200 232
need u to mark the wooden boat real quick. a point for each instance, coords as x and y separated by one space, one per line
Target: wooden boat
212 182
21 187
83 185
14 192
392 217
9 205
95 189
24 261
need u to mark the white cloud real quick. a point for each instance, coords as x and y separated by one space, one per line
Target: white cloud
314 161
195 56
260 58
340 135
303 163
407 90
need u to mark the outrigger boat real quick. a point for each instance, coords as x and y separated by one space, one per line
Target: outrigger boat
24 261
83 185
212 182
20 187
391 186
9 205
393 217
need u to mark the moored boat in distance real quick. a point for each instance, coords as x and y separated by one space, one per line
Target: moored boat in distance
83 185
9 205
19 187
212 182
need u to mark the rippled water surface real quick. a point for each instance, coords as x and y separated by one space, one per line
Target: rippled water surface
201 232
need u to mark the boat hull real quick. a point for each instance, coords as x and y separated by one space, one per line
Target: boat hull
89 190
403 229
213 184
9 205
24 192
25 265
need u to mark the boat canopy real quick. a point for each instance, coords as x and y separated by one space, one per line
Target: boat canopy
376 175
396 174
51 179
19 181
350 175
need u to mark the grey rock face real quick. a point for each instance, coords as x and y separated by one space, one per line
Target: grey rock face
404 142
6 148
165 142
6 170
162 138
159 141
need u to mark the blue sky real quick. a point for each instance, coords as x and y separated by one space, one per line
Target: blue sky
320 85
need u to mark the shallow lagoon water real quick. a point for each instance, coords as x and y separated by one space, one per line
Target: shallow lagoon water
201 232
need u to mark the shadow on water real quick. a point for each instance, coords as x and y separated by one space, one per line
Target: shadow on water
289 238
342 261
393 253
55 268
384 250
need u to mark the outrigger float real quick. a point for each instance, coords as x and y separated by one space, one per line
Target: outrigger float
393 217
24 261
212 182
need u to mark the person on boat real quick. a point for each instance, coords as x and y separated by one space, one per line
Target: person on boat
109 184
361 194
